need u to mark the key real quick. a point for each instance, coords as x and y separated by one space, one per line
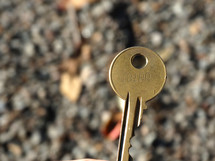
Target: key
137 75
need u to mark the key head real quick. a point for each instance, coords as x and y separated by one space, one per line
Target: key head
139 71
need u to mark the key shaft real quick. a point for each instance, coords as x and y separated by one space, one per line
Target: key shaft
130 121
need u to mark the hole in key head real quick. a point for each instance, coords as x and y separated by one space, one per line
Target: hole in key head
138 61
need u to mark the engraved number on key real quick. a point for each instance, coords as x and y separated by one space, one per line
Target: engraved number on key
136 74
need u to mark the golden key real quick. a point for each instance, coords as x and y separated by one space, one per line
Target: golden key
137 75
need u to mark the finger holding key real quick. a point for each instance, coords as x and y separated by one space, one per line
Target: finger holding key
137 75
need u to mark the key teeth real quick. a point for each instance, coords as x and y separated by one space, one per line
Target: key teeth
131 139
130 145
129 149
142 107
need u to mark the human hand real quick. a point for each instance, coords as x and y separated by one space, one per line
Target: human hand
87 160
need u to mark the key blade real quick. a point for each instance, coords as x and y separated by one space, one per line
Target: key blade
122 133
142 106
129 123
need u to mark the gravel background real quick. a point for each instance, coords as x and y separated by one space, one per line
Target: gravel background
37 39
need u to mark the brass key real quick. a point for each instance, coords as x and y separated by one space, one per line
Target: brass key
136 74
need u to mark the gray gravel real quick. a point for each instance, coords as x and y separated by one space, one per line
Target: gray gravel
38 123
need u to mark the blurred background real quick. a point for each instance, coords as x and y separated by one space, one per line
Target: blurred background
55 99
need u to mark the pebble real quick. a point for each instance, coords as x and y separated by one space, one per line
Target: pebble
77 152
178 9
54 132
156 38
88 76
2 106
94 123
21 100
35 138
149 138
142 157
29 49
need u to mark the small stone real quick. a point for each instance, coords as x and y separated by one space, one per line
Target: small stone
105 116
87 31
54 132
41 93
2 106
107 5
66 157
144 130
35 138
178 9
156 38
97 10
84 112
88 76
29 49
21 99
150 138
58 46
179 117
142 157
94 123
92 151
78 152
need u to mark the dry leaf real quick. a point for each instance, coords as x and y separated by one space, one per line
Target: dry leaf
70 86
71 66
